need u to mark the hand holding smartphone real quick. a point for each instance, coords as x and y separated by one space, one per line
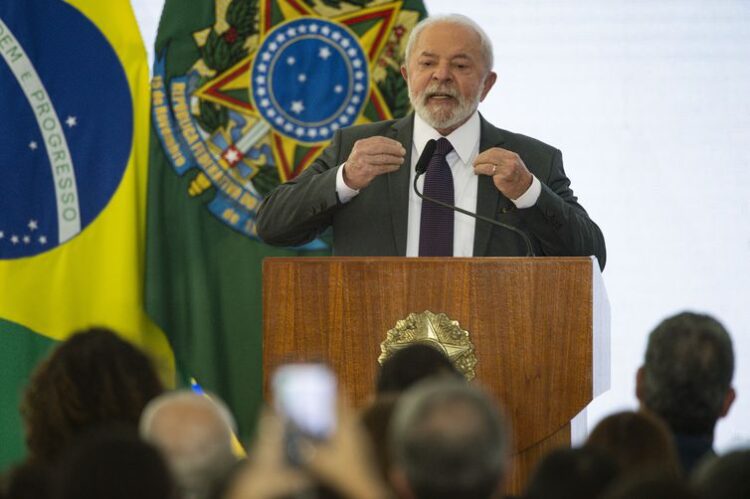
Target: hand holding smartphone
305 397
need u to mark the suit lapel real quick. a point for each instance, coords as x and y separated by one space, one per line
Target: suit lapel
488 196
398 183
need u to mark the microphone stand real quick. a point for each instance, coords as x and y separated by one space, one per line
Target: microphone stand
526 240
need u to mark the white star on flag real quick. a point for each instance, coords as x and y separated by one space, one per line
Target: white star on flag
324 53
302 78
26 239
33 145
2 234
71 121
33 225
291 60
14 239
42 240
297 106
338 89
232 156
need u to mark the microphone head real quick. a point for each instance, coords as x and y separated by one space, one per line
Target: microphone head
424 159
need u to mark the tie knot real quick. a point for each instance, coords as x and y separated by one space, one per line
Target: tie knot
443 146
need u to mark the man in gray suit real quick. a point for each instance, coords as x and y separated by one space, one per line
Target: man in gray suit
361 183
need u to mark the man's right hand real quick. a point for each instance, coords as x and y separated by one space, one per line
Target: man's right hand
371 157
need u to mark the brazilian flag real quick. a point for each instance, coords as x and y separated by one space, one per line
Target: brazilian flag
74 95
245 95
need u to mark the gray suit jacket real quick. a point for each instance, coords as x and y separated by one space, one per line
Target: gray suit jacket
374 222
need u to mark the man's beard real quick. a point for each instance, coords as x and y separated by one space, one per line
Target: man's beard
442 117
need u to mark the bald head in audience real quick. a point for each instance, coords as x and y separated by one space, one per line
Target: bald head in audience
194 433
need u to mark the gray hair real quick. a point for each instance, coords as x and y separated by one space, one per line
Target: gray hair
199 450
450 440
688 372
484 40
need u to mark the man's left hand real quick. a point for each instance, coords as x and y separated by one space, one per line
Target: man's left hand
507 169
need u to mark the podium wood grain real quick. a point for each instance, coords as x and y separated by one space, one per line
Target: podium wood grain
530 320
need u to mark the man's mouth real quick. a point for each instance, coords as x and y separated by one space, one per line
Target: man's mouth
439 96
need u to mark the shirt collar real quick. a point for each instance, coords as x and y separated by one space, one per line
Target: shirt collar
465 139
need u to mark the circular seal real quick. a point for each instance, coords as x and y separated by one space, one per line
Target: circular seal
309 78
67 126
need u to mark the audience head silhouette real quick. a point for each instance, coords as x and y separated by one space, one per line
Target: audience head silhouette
410 365
686 379
92 379
194 433
449 440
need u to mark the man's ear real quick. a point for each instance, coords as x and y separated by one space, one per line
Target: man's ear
728 401
489 81
639 382
403 72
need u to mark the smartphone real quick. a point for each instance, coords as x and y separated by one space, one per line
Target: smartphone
305 397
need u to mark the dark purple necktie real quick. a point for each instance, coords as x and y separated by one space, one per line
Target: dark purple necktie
436 228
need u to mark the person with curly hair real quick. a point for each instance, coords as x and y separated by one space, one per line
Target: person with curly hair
94 378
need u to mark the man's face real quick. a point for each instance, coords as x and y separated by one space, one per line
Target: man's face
447 75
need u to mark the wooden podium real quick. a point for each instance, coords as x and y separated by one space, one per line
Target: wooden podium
540 328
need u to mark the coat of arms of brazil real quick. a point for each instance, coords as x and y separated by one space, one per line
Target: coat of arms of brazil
271 83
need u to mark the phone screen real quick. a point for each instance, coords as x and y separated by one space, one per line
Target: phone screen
305 395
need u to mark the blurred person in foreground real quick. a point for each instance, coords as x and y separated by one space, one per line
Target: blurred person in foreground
410 365
376 419
583 473
638 442
449 440
113 463
403 369
195 435
340 467
28 480
650 486
726 477
686 379
93 379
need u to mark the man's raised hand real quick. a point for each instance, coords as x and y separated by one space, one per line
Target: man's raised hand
371 157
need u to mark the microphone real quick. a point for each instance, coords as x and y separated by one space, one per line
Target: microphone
421 168
424 160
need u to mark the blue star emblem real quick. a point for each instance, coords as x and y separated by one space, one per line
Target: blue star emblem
309 79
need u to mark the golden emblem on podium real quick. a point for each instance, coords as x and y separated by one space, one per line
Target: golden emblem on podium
437 331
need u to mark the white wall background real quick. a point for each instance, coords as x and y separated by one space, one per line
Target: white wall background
649 101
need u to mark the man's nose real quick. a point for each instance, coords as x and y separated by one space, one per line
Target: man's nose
442 73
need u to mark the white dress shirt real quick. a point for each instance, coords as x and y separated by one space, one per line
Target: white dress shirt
465 142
